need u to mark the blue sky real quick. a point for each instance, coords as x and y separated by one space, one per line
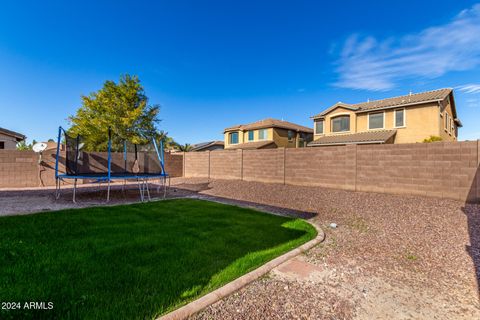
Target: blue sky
214 64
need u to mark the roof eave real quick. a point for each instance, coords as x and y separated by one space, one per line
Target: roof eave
398 106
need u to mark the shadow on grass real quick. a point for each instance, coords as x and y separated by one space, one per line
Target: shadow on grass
135 261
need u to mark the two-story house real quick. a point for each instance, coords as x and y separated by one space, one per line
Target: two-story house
404 119
267 133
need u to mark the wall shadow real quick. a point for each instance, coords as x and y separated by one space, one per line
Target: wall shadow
472 211
195 190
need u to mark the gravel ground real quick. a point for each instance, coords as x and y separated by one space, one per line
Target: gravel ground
391 257
395 257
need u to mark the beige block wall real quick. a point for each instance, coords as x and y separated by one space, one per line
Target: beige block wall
21 168
226 164
264 165
442 169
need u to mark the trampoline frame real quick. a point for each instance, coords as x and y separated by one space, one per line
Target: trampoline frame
142 179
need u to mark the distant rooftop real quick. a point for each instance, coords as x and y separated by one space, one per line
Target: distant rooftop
270 123
16 135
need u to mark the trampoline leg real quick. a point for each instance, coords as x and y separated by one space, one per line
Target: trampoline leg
74 191
140 190
57 189
164 187
108 190
148 191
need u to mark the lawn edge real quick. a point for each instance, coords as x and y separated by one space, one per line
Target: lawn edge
235 285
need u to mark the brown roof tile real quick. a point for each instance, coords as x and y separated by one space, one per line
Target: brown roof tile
415 98
253 145
378 136
270 123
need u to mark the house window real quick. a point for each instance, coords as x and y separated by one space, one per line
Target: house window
375 120
262 134
319 127
233 137
290 135
2 145
399 118
341 123
250 135
446 121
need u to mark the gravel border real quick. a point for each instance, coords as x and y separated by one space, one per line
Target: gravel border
235 285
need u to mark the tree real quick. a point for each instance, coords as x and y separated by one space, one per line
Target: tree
432 139
184 147
23 146
123 107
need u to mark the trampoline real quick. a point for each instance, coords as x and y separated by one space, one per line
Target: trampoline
123 160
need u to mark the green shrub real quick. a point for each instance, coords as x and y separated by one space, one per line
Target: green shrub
432 139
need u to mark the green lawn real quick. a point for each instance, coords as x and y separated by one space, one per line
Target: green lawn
134 261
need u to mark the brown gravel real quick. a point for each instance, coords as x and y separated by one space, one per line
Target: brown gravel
400 257
391 257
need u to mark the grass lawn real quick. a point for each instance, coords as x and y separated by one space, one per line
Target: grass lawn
134 261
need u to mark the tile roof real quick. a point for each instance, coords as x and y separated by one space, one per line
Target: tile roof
414 98
203 145
270 123
14 134
253 145
377 136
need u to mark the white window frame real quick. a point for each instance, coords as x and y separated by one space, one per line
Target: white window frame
368 120
315 127
404 118
266 134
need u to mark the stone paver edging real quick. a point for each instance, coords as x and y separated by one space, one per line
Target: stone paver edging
218 294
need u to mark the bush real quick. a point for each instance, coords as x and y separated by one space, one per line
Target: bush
432 139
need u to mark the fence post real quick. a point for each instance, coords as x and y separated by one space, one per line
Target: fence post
184 164
208 165
477 172
241 164
284 162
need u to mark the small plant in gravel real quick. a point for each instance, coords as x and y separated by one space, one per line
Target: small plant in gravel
411 256
358 223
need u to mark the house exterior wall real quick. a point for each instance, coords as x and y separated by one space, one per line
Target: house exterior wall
278 135
9 142
421 122
447 134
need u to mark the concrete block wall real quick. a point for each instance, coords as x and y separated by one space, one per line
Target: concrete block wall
442 169
21 168
226 164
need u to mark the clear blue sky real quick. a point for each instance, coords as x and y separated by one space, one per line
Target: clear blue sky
213 64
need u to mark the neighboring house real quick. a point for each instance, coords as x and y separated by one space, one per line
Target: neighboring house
405 119
268 133
9 139
208 146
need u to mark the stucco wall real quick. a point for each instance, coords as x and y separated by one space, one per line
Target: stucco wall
421 122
